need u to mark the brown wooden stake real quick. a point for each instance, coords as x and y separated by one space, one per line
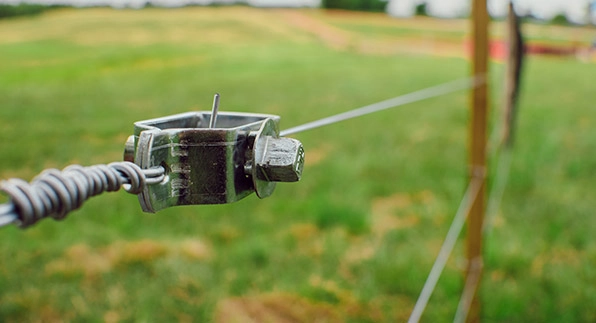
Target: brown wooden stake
513 70
477 158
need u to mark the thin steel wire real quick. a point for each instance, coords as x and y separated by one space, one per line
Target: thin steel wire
470 289
446 248
493 205
498 189
55 193
434 91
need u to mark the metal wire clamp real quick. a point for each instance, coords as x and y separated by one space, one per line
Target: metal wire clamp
241 154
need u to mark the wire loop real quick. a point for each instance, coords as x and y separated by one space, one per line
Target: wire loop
55 193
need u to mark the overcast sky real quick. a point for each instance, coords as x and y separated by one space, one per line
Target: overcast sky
575 10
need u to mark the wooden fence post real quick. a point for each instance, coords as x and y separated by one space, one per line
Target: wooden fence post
478 138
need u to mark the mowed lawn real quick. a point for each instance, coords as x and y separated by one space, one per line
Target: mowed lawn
355 239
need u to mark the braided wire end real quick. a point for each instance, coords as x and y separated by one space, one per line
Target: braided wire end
55 193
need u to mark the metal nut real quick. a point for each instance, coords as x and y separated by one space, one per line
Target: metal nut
282 160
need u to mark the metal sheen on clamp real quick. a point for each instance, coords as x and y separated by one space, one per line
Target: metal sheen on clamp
241 154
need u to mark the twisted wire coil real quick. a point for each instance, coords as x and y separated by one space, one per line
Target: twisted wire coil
55 193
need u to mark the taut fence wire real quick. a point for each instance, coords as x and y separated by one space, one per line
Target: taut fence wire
427 93
448 244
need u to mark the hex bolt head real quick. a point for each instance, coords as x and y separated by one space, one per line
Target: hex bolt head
282 161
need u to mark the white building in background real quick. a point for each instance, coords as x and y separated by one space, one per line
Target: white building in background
575 10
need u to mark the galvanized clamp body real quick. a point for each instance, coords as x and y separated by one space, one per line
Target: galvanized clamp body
241 155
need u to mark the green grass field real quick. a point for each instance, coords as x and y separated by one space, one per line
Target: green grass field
355 239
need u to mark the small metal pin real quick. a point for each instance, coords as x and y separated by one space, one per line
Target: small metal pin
214 111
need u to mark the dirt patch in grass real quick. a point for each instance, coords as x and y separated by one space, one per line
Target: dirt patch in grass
414 46
346 301
79 259
327 27
343 295
309 239
33 305
195 249
50 314
361 250
82 259
385 213
279 308
143 251
304 231
317 155
111 317
544 263
330 35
